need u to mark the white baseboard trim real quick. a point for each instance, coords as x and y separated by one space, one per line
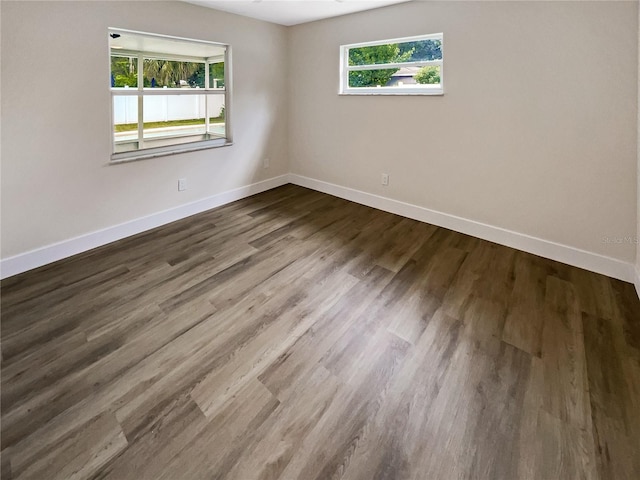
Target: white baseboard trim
66 248
562 253
544 248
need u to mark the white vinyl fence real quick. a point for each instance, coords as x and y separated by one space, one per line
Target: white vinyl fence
162 108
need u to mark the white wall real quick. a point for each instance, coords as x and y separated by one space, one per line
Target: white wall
536 132
56 180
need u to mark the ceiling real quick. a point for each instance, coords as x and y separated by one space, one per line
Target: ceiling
293 12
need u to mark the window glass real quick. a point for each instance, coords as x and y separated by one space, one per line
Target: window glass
402 66
217 121
124 71
125 125
216 75
160 73
421 50
396 77
179 98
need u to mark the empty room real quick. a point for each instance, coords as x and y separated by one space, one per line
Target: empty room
312 240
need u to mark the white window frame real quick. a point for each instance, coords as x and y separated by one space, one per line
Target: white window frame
141 92
345 68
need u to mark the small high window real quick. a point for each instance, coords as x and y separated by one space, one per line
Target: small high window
402 66
168 94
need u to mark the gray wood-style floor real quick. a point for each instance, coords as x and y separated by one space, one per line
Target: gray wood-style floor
295 335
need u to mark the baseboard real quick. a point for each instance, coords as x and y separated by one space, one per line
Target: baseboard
544 248
562 253
57 251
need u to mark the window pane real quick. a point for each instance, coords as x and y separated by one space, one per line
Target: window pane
421 50
217 125
167 120
377 54
125 123
173 115
172 74
371 78
124 71
216 75
415 77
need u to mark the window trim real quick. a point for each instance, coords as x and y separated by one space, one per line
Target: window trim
345 68
140 91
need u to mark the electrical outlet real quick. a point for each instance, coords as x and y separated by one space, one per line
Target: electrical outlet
265 163
182 184
385 179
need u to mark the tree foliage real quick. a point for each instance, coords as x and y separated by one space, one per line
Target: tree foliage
124 72
422 50
375 55
217 71
428 75
167 73
162 73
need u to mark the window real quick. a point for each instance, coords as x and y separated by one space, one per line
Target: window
168 94
403 66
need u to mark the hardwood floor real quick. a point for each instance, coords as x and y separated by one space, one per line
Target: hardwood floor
295 335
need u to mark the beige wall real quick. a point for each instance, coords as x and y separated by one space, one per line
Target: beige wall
536 132
56 181
526 137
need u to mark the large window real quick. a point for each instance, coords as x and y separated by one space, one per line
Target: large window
402 66
168 94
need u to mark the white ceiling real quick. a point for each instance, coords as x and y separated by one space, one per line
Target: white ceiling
293 12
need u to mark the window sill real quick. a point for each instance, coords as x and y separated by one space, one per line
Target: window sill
145 154
380 91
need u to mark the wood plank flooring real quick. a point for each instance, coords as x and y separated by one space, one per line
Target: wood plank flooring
295 335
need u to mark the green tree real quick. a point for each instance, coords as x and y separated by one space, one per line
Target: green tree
428 75
217 71
422 50
124 71
375 55
168 73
